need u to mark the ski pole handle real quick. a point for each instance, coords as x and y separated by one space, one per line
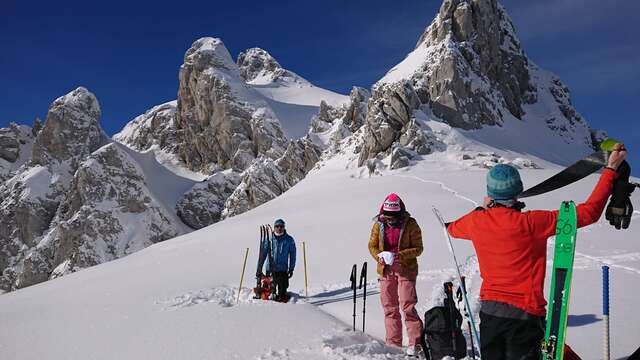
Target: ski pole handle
605 312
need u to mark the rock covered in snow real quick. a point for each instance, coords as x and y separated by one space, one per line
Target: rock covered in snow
154 128
267 179
203 204
258 64
30 199
16 142
71 132
109 213
469 70
333 124
222 123
390 114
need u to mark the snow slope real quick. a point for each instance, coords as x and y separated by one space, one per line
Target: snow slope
295 101
177 299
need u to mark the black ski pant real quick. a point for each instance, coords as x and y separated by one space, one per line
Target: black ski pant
281 279
510 339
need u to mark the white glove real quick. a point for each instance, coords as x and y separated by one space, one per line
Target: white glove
387 256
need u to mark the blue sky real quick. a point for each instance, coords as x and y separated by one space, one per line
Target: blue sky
128 53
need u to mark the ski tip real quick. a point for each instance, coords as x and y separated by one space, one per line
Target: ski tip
608 144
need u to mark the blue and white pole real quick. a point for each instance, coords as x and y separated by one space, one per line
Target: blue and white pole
605 311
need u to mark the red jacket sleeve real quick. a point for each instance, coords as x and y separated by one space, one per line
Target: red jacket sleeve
544 222
463 227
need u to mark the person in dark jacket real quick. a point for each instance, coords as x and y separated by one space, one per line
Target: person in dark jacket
281 248
512 253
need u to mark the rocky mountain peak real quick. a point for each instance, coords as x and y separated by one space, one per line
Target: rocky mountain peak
256 63
71 131
209 52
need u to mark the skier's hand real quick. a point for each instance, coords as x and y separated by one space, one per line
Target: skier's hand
290 273
259 275
617 156
381 261
620 209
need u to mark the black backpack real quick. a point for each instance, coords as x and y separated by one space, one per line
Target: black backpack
439 336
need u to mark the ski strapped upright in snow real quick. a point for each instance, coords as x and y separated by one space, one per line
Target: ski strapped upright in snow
264 287
565 245
455 261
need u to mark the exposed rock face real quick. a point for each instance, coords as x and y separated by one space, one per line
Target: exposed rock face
334 124
473 38
267 179
155 128
31 197
203 204
71 132
221 122
391 117
16 142
109 213
256 63
469 70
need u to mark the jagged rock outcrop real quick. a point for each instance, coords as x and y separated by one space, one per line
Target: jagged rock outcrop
16 142
156 128
469 70
31 197
473 40
333 124
109 213
256 63
390 119
203 204
71 132
267 179
222 123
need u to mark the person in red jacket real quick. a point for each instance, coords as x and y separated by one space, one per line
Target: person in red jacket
511 246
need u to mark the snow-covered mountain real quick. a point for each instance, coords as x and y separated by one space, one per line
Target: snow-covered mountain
242 133
248 141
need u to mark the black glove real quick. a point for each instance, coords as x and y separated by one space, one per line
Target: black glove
259 275
620 210
290 273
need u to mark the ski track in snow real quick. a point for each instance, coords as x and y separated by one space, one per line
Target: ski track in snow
442 185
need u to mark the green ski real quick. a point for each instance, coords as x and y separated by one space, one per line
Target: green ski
566 229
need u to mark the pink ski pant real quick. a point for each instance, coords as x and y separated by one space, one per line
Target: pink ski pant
396 292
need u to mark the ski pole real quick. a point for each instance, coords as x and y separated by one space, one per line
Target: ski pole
304 255
466 313
605 311
455 260
363 275
354 271
244 265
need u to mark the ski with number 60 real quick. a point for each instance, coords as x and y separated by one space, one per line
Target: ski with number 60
563 255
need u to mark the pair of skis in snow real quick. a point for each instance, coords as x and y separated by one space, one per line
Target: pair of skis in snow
265 287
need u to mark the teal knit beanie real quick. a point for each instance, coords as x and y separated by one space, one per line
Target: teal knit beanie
503 182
